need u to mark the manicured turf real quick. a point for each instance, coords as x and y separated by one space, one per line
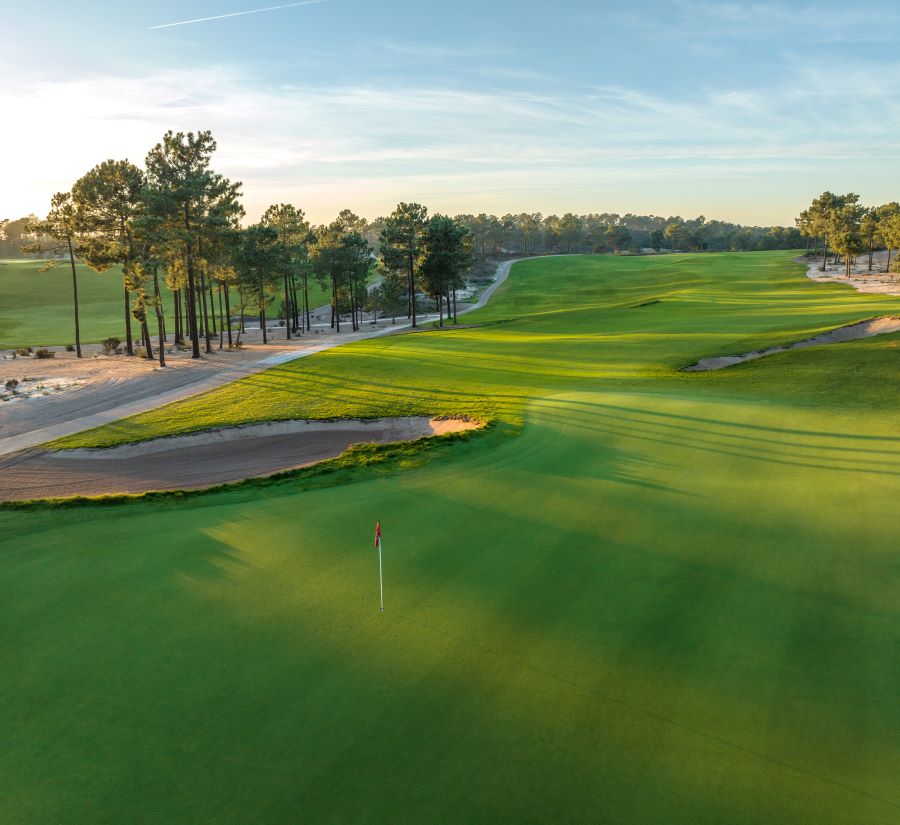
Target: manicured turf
672 598
36 307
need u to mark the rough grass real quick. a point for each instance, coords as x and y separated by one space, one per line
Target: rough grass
672 598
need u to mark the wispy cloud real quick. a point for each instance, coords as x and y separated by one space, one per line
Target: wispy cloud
365 146
236 14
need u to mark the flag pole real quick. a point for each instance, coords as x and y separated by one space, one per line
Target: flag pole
380 576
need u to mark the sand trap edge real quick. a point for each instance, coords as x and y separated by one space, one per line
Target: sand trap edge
883 325
407 428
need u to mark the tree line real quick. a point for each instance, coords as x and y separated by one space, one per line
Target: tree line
176 225
842 225
535 234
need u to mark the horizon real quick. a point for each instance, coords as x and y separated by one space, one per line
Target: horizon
668 108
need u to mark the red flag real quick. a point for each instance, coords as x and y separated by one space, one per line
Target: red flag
378 534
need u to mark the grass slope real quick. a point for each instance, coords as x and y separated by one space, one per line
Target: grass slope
673 598
36 307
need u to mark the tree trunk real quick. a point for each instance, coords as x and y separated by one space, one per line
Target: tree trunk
177 303
221 321
145 332
295 320
288 312
262 312
824 255
205 312
212 307
75 297
306 302
158 306
192 309
335 311
129 344
888 267
871 254
160 317
440 309
412 289
228 314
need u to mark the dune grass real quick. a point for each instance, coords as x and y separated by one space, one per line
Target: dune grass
670 598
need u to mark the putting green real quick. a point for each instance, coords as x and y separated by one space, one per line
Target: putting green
672 598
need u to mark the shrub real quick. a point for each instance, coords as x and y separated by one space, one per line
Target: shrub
141 352
24 351
43 352
110 345
11 384
70 347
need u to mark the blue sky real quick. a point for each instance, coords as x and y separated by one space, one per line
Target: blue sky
742 111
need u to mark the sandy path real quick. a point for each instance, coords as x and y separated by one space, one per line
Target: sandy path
861 278
851 332
502 274
201 460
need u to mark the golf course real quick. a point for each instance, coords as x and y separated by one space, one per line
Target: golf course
636 595
36 306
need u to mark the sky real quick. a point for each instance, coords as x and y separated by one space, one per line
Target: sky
737 111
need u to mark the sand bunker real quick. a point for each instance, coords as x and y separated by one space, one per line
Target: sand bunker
202 459
853 332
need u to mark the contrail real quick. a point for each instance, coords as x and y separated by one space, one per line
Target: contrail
236 14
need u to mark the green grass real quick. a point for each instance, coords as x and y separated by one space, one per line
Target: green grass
672 598
36 307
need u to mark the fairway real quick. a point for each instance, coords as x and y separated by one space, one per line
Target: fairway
36 307
641 596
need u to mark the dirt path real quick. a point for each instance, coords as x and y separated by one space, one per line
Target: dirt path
201 460
852 332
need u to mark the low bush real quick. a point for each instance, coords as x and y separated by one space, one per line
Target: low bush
24 352
43 352
70 347
111 345
11 384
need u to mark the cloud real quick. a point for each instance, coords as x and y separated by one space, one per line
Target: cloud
365 146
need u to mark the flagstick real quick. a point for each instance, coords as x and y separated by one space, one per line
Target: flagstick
380 576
